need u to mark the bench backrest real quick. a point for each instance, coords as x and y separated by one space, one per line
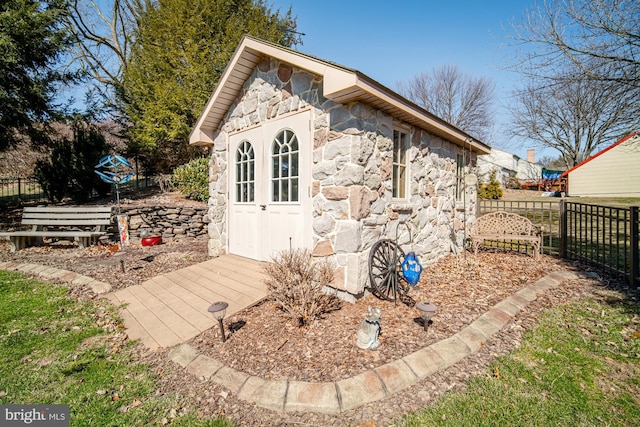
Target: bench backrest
503 223
96 217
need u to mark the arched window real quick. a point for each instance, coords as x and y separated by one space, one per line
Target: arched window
284 159
245 173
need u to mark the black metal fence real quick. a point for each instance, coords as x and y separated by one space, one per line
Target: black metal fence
14 191
20 191
606 238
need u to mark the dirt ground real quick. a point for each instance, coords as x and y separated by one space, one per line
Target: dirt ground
263 342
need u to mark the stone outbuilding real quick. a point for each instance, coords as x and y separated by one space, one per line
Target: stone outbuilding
306 153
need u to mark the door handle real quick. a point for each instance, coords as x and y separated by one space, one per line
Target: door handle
263 207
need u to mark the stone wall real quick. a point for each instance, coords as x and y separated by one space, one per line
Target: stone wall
351 176
170 222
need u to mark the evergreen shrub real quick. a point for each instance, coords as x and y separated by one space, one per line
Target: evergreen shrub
69 170
492 189
192 179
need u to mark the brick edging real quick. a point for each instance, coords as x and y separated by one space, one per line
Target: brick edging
47 272
374 384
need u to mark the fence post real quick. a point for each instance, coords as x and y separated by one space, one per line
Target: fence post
634 270
563 228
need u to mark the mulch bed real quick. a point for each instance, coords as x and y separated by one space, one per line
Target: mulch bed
105 262
264 342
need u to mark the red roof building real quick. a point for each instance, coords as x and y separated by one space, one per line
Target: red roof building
613 172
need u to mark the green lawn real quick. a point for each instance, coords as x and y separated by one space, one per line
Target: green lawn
534 196
579 367
57 350
616 202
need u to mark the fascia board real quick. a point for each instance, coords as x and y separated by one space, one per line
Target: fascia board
201 136
423 116
198 136
336 80
615 144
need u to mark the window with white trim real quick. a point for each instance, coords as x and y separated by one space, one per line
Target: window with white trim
284 160
245 173
399 180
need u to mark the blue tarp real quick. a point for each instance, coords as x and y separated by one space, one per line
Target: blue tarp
550 174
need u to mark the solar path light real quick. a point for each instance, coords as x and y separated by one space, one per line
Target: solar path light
426 310
218 309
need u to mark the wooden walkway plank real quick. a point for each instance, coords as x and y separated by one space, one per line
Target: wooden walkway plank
201 287
205 288
136 331
238 263
172 308
164 310
233 289
150 322
246 277
191 307
244 283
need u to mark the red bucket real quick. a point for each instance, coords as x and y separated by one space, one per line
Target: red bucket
152 240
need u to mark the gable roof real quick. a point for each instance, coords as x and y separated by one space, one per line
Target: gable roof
340 84
626 138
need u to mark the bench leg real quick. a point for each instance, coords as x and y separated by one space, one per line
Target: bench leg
475 245
83 242
17 243
536 251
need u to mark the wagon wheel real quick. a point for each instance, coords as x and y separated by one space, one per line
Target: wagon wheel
385 273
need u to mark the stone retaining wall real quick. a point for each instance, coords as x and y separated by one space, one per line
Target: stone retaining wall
170 222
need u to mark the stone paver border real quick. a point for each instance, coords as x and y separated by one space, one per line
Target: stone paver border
46 272
374 384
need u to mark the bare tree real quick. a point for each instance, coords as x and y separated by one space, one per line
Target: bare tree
103 33
461 99
600 37
572 114
581 62
550 162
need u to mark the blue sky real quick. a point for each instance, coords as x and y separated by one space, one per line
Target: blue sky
392 41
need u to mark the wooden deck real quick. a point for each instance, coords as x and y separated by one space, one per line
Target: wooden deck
172 308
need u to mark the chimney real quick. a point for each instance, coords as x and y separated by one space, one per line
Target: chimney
531 155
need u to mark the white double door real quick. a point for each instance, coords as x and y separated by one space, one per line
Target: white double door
269 188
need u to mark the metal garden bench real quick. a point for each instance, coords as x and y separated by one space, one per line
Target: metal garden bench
82 224
505 227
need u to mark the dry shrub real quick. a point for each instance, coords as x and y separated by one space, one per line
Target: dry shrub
164 181
295 282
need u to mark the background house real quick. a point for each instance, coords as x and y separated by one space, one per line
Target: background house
613 172
510 169
306 153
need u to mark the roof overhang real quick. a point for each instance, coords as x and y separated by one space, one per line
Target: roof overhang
340 84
